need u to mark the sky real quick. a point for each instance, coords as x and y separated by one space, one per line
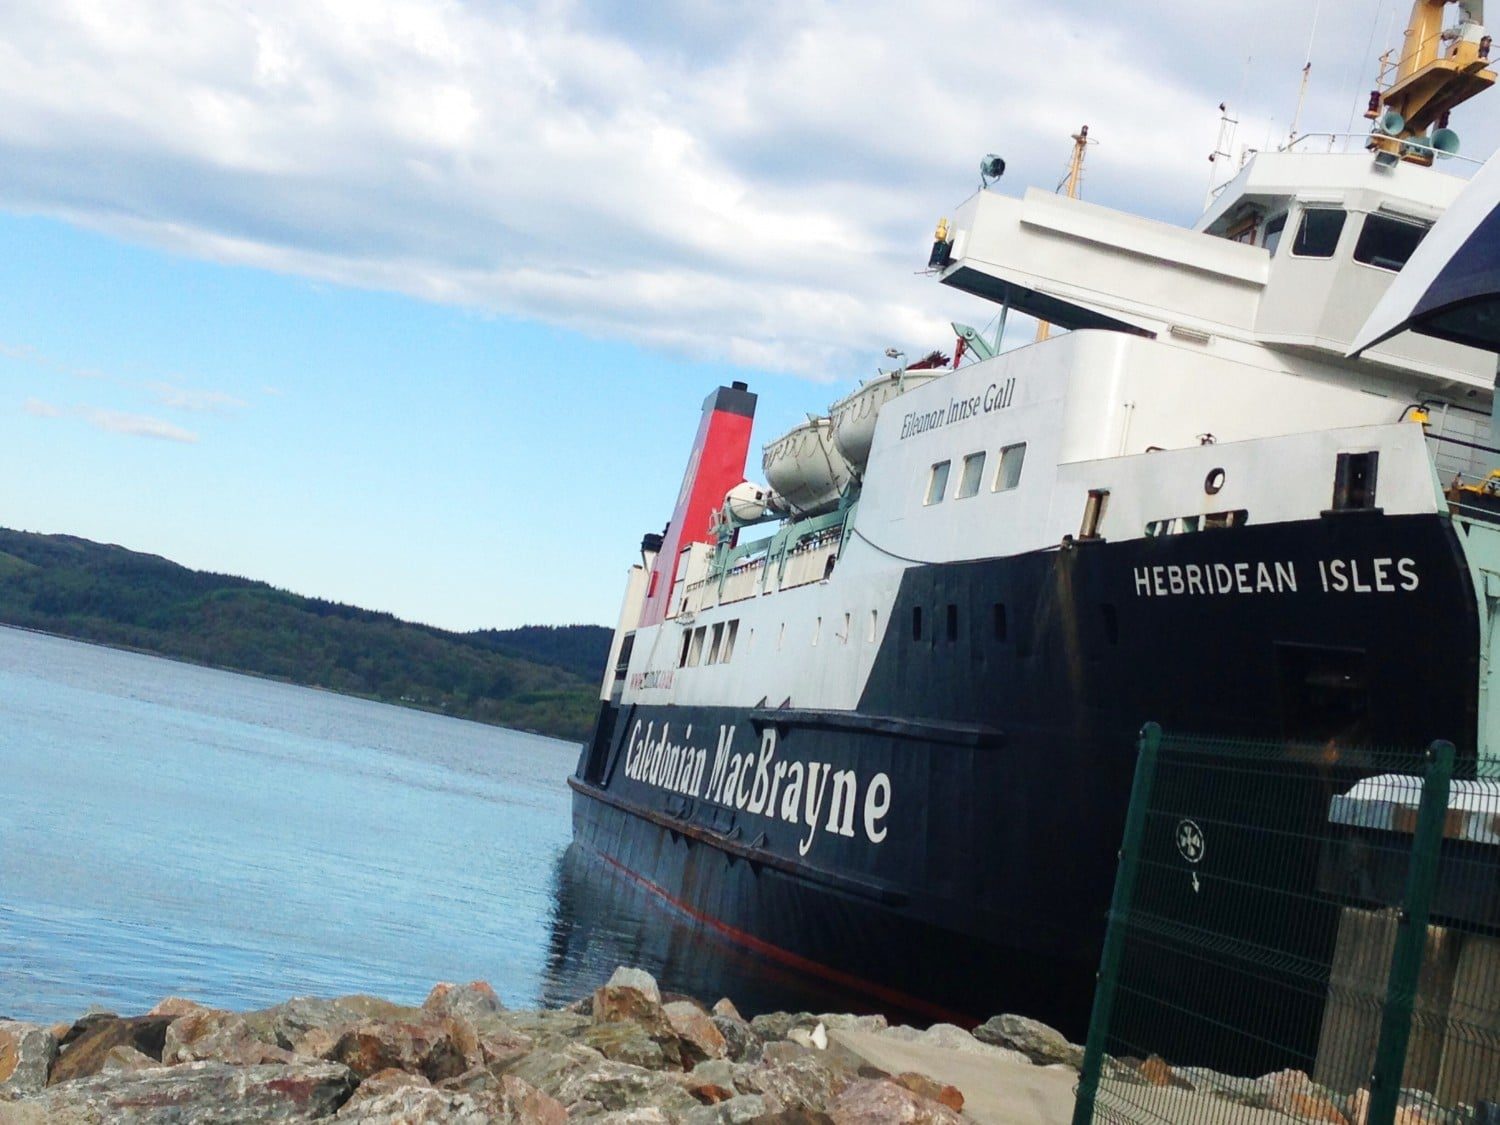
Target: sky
412 304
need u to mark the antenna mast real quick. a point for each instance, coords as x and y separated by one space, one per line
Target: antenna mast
1306 71
1070 186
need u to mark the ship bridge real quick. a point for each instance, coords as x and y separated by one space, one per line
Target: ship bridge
1282 270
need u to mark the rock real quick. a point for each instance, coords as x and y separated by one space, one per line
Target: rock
526 1105
771 1026
546 1068
801 1082
1294 1093
933 1090
176 1006
794 1117
641 1115
1155 1071
739 1110
867 1102
782 1051
615 1086
740 1042
637 979
725 1007
85 1052
431 1049
1041 1044
26 1053
422 1105
289 1022
199 1093
837 1021
952 1038
695 1029
500 1046
716 1075
817 1038
632 995
469 1001
629 1043
547 1028
215 1036
123 1058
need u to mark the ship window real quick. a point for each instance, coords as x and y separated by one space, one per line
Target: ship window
1318 233
973 473
1093 513
1008 475
1354 481
715 639
916 623
844 637
687 639
874 623
1387 243
997 621
1274 228
780 636
817 631
695 650
730 632
1237 517
952 622
1187 524
1158 527
937 483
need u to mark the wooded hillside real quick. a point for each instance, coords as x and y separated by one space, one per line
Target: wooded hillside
541 678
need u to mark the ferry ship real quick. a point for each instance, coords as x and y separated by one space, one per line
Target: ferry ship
875 717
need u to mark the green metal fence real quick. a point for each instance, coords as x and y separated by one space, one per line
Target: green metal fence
1300 931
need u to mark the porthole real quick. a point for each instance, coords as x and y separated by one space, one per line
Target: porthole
1213 482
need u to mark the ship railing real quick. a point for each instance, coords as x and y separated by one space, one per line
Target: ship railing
1347 142
809 560
1467 470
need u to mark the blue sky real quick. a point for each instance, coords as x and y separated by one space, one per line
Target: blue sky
411 303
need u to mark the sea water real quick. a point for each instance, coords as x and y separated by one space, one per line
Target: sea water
167 829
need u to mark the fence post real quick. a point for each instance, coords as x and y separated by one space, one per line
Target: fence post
1411 936
1114 934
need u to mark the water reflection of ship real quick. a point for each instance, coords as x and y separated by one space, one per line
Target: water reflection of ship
602 918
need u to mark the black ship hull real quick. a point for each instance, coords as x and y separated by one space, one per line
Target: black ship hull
947 848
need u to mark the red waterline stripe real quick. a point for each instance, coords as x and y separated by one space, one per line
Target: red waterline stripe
796 961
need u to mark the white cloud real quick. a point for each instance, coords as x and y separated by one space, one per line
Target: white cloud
39 409
188 398
134 425
756 182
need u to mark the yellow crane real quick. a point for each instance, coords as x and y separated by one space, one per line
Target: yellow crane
1438 68
1069 187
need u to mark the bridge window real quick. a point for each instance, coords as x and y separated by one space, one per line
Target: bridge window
695 650
1318 234
715 639
1387 243
1274 228
1008 475
937 483
973 473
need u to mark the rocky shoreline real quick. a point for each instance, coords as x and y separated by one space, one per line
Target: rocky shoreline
626 1055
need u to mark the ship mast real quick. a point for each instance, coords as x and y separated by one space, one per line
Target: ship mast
1429 83
1069 187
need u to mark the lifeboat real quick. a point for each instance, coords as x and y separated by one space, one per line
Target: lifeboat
853 416
805 469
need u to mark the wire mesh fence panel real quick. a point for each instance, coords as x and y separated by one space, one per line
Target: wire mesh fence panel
1283 944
